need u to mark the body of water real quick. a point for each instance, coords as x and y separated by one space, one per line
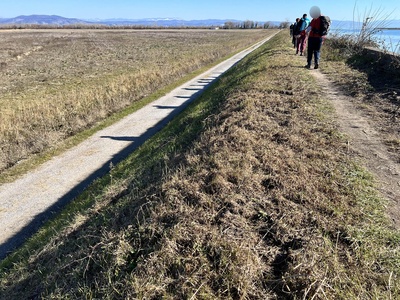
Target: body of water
391 39
386 38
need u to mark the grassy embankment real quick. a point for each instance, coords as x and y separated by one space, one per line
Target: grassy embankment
57 83
250 194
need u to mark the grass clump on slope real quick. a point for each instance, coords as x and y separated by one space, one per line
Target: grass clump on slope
247 195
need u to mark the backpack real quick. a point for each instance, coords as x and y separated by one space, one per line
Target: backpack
298 27
325 25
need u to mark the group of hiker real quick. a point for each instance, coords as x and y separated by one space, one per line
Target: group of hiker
313 33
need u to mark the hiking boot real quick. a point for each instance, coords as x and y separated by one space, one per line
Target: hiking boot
297 52
307 66
301 53
316 66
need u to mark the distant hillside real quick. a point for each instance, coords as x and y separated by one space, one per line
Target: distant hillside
159 22
166 22
42 20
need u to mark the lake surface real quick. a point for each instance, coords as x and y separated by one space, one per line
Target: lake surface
389 39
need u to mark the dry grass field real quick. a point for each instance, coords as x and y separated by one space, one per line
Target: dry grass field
56 83
251 193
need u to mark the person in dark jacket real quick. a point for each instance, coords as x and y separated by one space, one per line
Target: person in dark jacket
294 32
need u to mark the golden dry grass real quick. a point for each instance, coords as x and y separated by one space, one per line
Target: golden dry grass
56 83
248 195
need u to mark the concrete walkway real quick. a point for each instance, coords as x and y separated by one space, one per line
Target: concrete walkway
29 201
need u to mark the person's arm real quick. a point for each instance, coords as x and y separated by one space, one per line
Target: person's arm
310 26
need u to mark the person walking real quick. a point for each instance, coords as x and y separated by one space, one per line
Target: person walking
301 42
294 32
315 39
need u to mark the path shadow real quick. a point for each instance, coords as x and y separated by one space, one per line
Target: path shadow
192 89
205 81
167 107
120 138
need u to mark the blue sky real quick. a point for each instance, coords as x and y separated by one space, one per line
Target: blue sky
257 10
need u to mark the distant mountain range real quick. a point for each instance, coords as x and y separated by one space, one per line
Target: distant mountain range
158 22
162 22
41 20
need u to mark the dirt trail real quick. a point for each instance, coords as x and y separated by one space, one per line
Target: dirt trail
365 142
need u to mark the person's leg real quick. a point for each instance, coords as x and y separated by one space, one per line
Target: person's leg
310 52
317 52
298 45
303 44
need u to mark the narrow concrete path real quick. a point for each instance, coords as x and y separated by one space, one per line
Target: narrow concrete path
29 201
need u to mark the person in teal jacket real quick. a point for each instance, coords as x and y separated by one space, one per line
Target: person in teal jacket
301 43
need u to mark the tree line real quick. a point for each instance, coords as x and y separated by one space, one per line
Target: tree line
254 25
228 25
